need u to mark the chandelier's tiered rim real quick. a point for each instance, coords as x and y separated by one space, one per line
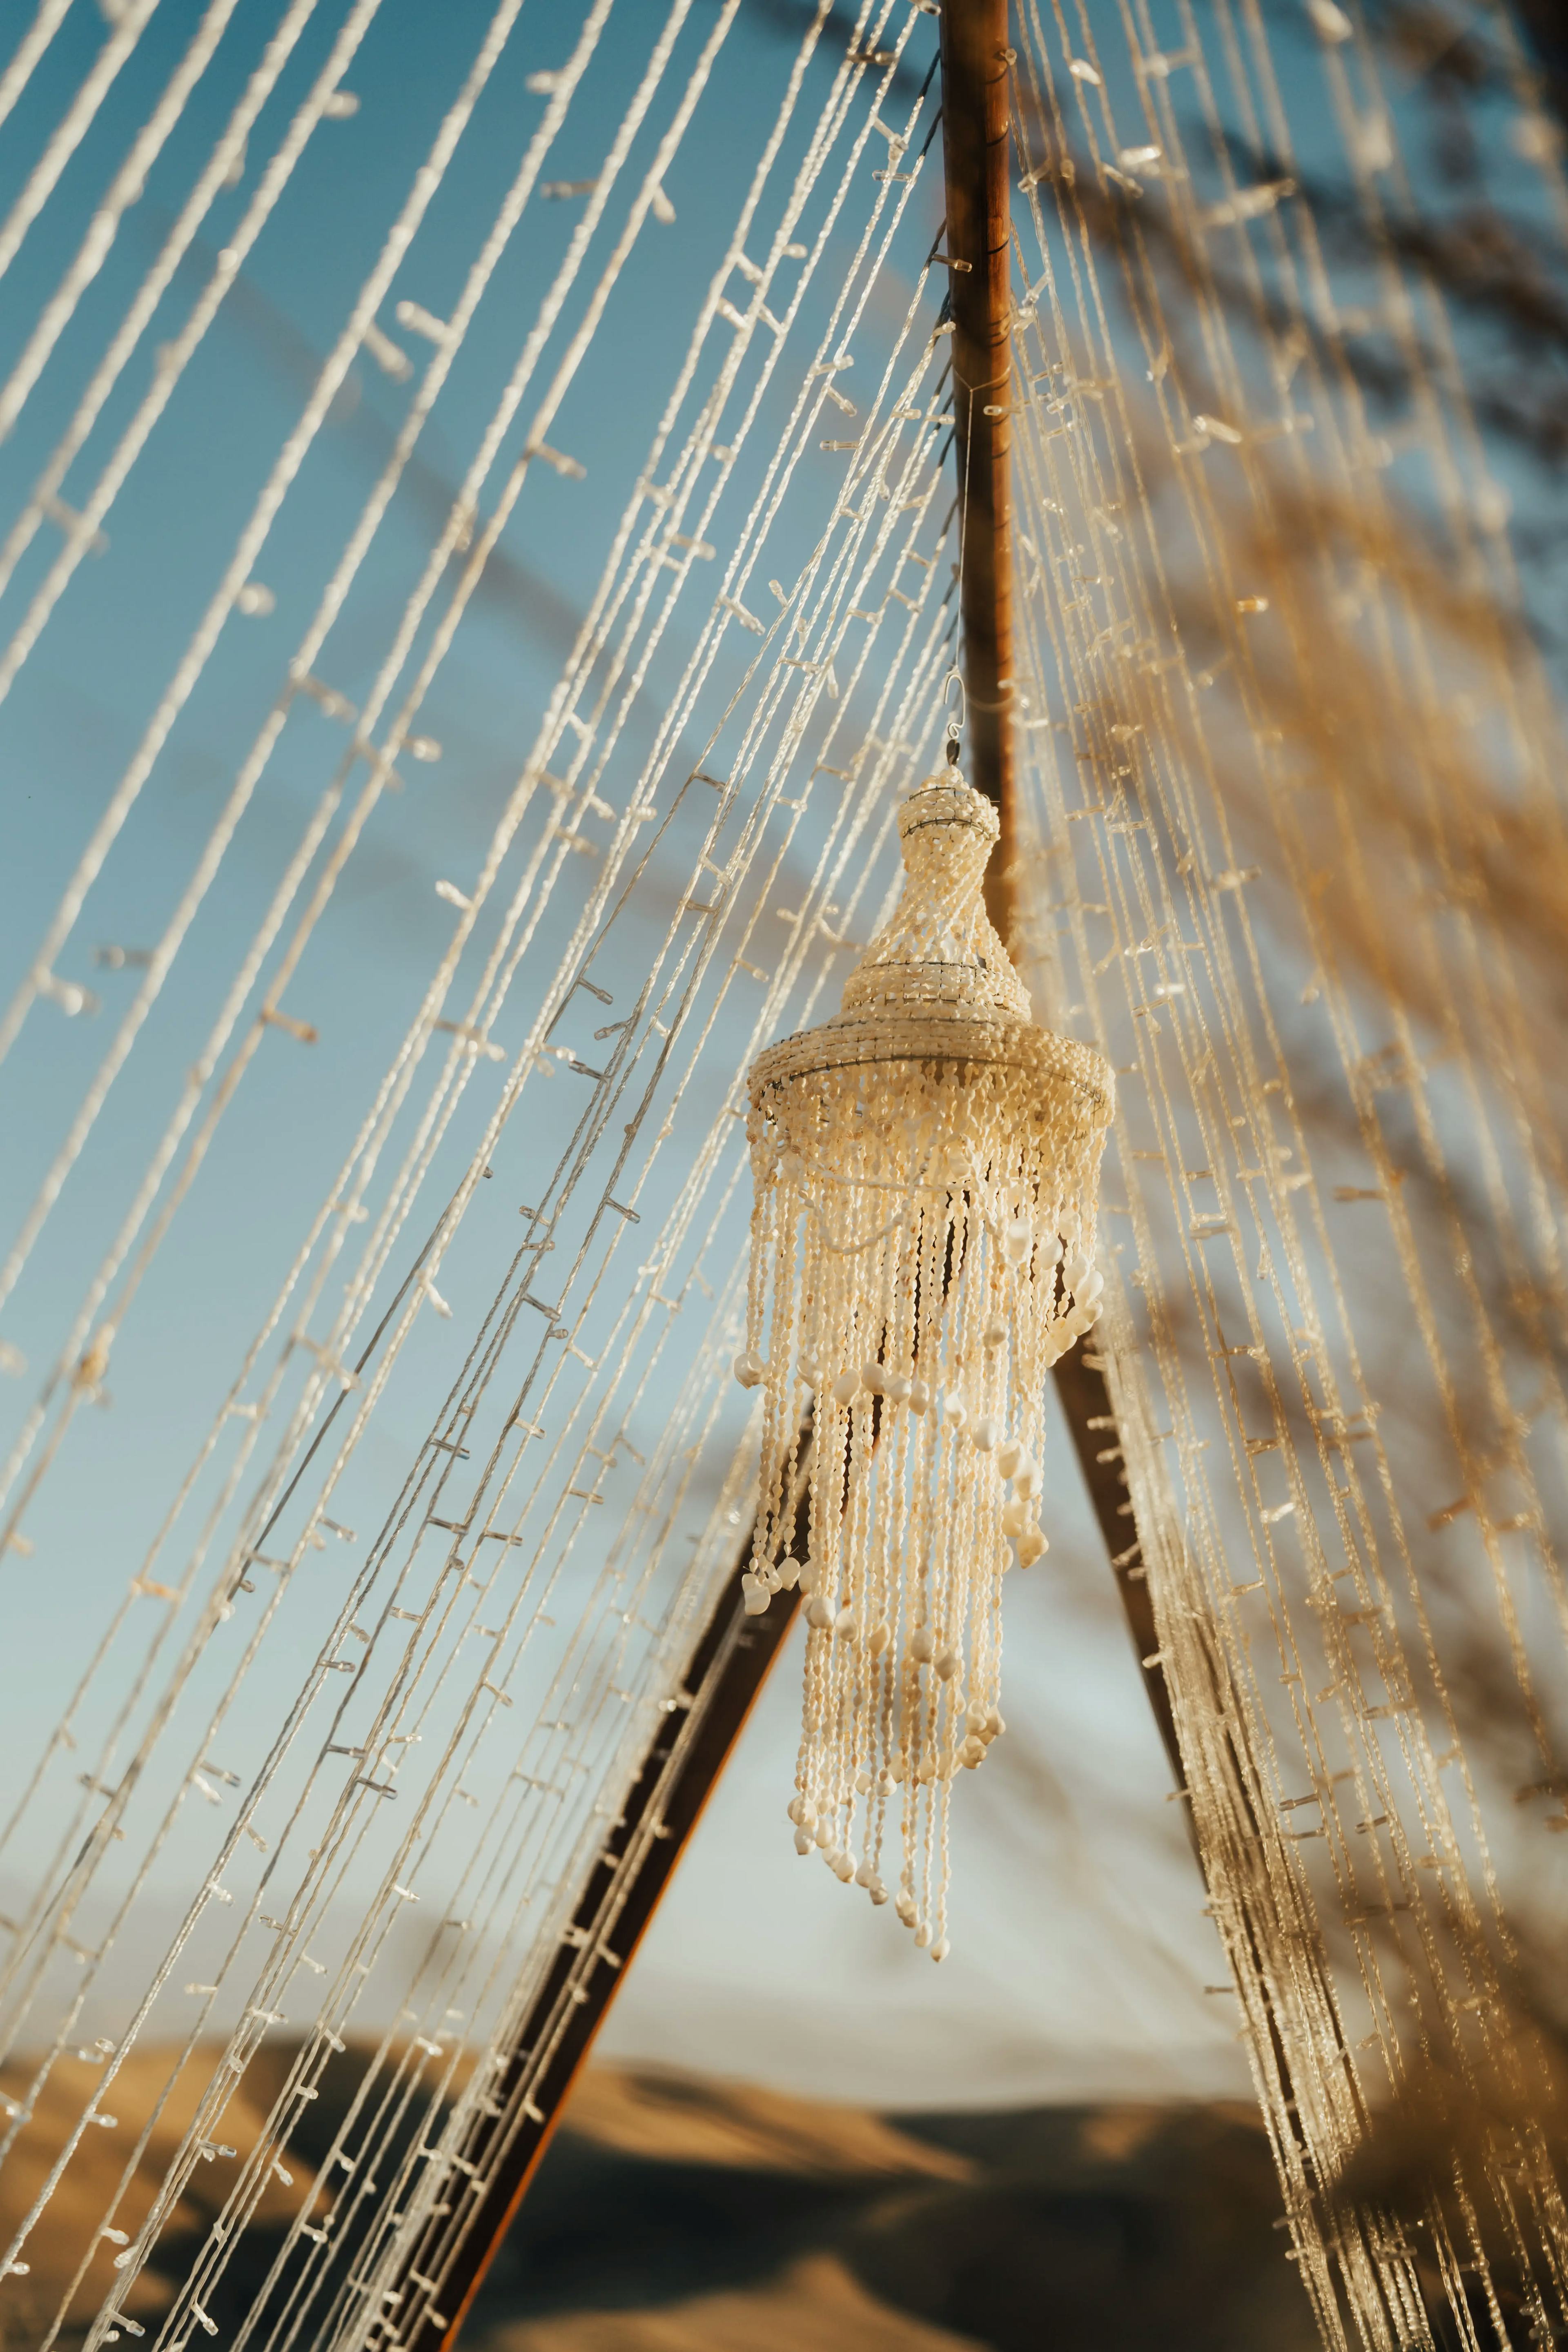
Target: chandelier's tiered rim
854 1041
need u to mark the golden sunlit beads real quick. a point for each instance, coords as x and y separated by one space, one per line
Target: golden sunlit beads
922 1250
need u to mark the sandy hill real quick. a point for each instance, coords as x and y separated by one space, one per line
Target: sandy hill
677 2214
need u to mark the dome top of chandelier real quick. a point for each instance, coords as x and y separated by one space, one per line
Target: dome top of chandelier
938 952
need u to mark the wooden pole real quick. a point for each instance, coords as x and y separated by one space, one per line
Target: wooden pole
1086 1401
975 60
734 1656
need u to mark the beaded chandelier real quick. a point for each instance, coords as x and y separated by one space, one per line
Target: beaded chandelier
922 1250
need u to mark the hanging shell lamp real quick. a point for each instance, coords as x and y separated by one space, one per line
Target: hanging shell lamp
922 1249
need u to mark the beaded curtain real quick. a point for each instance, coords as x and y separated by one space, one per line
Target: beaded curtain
1291 855
1294 855
468 1687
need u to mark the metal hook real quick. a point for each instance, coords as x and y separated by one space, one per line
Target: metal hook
954 724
